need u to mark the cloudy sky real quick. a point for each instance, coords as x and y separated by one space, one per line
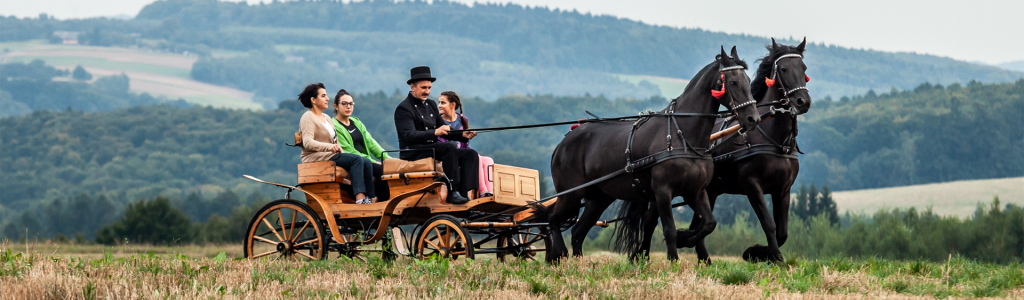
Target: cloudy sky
986 31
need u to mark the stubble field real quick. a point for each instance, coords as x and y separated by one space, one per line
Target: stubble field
66 271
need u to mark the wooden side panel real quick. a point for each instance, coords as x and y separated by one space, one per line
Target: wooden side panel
516 186
321 171
398 186
330 192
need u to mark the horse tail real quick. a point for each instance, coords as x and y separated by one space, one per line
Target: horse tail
628 234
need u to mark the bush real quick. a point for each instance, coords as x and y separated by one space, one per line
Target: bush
149 222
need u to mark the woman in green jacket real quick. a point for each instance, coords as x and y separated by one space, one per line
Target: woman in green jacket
353 138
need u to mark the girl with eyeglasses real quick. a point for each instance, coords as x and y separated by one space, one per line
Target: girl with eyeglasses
353 138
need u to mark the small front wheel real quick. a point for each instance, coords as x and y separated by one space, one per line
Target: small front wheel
444 237
285 229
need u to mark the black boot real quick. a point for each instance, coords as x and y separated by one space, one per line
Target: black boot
455 198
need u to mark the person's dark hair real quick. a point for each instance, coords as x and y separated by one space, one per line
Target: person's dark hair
309 92
337 98
454 98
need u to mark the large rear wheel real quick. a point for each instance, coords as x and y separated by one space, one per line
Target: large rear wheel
285 229
444 237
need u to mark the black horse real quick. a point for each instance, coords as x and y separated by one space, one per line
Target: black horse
765 162
597 149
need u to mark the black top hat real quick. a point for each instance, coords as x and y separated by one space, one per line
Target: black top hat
420 73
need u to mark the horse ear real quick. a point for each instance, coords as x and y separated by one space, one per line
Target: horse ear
802 44
723 53
774 45
734 55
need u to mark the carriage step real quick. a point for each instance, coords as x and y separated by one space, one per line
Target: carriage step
398 241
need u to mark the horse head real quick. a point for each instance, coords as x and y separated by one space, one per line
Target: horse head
732 89
783 70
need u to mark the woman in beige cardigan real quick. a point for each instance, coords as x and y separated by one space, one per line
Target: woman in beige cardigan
320 143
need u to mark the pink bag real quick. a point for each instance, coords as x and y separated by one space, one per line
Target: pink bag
486 178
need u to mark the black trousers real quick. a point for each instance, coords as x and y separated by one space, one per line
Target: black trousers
460 165
380 186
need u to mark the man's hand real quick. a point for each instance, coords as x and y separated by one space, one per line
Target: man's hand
443 130
468 134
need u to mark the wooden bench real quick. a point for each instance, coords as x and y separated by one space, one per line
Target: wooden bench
326 180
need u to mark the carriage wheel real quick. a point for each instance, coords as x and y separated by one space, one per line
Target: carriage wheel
524 243
442 236
286 230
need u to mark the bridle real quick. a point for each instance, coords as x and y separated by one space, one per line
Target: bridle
770 81
719 93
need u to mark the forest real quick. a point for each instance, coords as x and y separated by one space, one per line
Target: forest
487 50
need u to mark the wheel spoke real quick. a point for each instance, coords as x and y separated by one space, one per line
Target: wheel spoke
280 220
432 244
306 255
463 252
272 229
448 237
296 236
305 243
291 227
440 239
261 239
264 254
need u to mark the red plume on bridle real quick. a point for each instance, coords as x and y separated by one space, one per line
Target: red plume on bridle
808 78
718 94
769 82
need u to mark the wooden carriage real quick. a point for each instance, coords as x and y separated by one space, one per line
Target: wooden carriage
330 221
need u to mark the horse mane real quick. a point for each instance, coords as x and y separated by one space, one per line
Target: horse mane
711 67
757 86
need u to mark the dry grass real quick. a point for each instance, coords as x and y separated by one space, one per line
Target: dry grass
53 271
958 198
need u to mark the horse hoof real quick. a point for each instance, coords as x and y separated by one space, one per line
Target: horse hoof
704 261
761 253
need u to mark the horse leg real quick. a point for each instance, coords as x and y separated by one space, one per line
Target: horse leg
564 207
702 251
663 206
780 207
650 222
593 207
759 253
700 205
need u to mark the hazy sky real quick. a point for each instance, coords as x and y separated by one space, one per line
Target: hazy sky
986 31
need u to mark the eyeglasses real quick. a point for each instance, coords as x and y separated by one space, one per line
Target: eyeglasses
347 104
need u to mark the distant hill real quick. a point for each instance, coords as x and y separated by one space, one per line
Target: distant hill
1013 65
455 38
930 134
959 198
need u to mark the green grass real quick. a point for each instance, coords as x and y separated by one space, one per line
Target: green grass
106 64
174 272
15 46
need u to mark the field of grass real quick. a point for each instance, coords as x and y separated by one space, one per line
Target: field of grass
88 272
958 198
156 73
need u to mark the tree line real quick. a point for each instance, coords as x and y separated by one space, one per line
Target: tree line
932 133
487 50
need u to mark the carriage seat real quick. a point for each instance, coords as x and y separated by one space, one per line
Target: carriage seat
400 169
322 172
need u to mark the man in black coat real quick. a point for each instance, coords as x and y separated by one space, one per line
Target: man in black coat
419 124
